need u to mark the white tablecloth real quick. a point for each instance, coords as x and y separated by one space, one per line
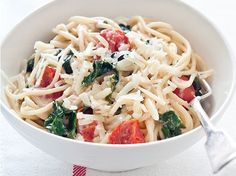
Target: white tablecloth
18 157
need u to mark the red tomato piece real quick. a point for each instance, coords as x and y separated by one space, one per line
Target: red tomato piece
96 57
47 78
115 38
127 132
54 95
186 94
87 131
80 109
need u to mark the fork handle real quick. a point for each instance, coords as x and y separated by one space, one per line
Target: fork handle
220 148
203 117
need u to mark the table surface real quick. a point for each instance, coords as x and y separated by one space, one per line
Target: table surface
18 157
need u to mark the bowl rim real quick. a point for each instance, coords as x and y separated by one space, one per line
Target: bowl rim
224 106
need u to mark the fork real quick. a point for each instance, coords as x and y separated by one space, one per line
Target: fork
220 148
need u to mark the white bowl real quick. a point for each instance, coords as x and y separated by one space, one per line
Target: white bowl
203 36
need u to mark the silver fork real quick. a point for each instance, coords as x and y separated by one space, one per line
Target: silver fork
220 148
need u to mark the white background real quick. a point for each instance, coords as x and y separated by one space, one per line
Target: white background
18 157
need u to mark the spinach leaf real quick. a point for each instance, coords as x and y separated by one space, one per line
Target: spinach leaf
114 80
70 123
54 122
67 65
197 87
61 121
125 28
113 55
58 51
118 111
171 124
147 42
99 68
121 57
57 127
109 98
30 65
87 110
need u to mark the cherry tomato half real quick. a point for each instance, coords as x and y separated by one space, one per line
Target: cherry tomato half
127 132
47 78
115 38
186 94
87 131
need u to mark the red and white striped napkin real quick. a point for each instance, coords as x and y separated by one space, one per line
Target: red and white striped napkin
79 171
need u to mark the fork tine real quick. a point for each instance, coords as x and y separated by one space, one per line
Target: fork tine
208 89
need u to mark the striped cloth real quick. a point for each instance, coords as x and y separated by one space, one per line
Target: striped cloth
79 171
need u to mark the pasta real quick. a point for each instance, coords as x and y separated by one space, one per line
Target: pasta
110 81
